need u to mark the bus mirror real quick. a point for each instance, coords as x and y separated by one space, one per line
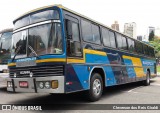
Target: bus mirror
69 29
75 49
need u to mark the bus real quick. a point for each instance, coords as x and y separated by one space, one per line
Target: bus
57 50
5 47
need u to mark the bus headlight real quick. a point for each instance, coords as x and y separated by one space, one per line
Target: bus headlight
15 75
41 85
9 84
47 85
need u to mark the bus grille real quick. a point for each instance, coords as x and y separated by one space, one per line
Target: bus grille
38 71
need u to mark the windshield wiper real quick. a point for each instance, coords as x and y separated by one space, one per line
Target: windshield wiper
33 51
17 51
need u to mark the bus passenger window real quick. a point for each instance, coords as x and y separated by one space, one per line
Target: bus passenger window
124 43
131 45
95 34
106 38
119 40
139 48
90 32
112 39
151 52
86 31
146 52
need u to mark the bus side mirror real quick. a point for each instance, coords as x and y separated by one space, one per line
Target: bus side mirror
74 48
69 29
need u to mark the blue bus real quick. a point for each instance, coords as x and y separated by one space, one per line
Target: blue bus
56 50
5 55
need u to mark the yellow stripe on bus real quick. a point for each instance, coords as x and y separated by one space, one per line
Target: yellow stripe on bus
12 64
51 60
85 51
136 62
74 60
95 52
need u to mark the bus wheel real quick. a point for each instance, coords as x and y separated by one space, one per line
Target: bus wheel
96 87
147 81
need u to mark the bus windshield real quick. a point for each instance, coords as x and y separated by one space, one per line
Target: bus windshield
5 47
43 39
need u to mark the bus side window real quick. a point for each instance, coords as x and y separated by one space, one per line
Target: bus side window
151 52
124 43
90 32
146 52
106 38
73 39
139 48
119 41
131 45
112 39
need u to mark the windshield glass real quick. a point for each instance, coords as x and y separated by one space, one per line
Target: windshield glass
36 17
43 39
38 39
5 47
44 15
19 41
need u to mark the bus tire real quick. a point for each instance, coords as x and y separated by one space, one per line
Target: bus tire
96 87
147 81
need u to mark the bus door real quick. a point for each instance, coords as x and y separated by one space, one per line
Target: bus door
74 55
74 49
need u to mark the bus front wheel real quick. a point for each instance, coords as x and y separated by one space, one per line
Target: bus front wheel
96 87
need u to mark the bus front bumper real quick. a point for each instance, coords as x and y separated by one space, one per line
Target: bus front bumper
54 84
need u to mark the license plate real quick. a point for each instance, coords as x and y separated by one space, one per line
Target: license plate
23 84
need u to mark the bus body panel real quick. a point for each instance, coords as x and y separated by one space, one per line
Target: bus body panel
119 66
133 69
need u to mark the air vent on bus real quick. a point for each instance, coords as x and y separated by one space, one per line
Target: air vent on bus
38 71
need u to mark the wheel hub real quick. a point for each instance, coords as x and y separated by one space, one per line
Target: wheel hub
96 87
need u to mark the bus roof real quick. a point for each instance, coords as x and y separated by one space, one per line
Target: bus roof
69 10
7 30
